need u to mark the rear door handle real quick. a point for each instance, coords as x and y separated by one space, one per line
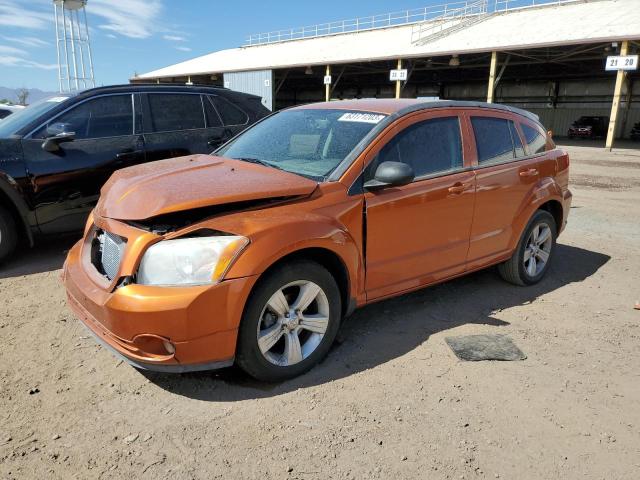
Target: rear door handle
532 172
457 188
129 154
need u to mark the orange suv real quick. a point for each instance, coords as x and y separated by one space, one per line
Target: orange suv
255 254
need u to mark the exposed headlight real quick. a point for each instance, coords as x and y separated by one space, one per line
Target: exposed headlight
189 261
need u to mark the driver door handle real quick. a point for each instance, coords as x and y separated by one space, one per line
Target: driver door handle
457 188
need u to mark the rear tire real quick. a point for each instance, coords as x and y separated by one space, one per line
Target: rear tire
289 322
8 234
530 261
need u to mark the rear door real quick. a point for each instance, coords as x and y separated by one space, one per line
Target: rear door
178 124
505 174
419 233
65 185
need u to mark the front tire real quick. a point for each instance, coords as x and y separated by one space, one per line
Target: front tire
530 262
8 234
290 321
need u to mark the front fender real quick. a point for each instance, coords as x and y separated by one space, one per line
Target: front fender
274 237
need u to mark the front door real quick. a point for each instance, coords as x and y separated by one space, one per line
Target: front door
65 184
419 233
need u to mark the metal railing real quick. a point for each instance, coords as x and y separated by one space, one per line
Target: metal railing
454 19
393 19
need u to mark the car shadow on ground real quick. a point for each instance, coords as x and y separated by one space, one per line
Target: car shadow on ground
46 255
383 331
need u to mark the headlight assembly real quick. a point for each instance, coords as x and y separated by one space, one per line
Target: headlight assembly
189 261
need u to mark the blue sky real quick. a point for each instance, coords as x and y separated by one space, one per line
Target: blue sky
130 36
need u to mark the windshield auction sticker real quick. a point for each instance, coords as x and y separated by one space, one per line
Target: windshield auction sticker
361 117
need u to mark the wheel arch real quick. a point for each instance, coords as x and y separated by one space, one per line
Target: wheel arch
11 200
554 207
329 260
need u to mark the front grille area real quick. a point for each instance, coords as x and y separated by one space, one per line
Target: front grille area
106 252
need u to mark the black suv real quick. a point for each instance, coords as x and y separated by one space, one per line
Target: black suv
56 154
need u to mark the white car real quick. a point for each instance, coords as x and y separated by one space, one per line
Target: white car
6 110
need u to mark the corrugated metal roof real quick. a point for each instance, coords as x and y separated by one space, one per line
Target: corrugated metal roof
585 21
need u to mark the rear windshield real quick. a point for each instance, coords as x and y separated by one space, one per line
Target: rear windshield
308 142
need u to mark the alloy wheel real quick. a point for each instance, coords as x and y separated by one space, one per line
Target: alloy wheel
293 323
538 249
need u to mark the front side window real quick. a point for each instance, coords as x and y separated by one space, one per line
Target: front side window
174 112
309 142
494 141
428 147
536 142
108 116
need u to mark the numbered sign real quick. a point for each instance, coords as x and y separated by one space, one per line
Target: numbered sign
327 79
398 75
622 62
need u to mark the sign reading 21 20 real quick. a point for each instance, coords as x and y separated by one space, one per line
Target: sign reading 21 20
622 62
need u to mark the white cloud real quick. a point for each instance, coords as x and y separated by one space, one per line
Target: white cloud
26 41
183 49
13 14
11 50
133 18
13 61
174 38
111 35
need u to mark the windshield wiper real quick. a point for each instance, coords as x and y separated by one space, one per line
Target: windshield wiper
258 161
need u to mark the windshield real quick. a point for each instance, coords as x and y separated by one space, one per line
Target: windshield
587 121
13 123
306 142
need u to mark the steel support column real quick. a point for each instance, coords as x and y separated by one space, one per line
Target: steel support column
327 87
615 105
492 76
398 82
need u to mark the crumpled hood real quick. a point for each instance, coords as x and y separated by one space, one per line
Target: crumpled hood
185 183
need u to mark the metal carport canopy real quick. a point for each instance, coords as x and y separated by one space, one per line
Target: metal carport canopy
529 27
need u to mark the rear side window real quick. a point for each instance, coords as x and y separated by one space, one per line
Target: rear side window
213 119
4 113
493 139
536 142
230 113
171 112
517 143
428 147
108 116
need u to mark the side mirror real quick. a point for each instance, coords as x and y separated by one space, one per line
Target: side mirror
57 128
52 144
390 174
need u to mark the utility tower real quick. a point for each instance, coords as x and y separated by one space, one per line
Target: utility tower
75 63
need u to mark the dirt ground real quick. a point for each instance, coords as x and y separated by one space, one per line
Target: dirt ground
390 402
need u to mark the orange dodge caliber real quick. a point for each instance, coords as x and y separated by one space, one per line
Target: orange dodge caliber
254 254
